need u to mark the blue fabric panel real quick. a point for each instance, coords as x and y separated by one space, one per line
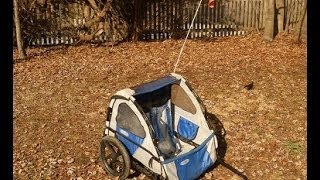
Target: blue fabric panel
191 166
129 145
154 113
187 129
169 125
188 153
169 121
154 85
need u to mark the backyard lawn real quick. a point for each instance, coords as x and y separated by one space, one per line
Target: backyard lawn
61 94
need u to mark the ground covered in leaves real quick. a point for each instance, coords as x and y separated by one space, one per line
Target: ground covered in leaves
61 94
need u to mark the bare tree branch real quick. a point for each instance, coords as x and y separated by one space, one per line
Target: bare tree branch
93 4
99 14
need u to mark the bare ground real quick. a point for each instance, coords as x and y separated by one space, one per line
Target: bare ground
60 97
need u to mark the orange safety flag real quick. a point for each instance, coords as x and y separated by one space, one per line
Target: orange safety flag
211 3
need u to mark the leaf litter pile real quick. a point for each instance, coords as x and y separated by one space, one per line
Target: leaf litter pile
60 97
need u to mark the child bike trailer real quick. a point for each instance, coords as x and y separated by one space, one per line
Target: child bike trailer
160 129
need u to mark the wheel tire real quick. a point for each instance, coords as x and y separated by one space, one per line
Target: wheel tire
118 162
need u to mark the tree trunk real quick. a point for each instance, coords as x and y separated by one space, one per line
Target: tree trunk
280 14
269 22
302 25
21 50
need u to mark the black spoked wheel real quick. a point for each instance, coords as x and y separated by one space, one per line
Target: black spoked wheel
114 157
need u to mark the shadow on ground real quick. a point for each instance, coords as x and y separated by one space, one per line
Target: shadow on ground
215 124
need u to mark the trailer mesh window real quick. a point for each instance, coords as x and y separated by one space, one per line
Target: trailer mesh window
181 99
128 120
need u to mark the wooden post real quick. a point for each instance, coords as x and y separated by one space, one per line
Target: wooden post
241 21
154 11
200 20
245 13
250 8
167 25
190 10
234 18
260 14
254 18
236 12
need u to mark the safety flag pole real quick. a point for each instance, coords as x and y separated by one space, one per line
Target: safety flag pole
211 5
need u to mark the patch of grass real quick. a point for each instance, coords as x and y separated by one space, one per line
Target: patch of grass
293 147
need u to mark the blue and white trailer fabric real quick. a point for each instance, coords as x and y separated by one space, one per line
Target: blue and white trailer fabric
189 161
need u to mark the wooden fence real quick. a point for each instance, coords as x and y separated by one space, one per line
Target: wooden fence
162 19
171 18
293 12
